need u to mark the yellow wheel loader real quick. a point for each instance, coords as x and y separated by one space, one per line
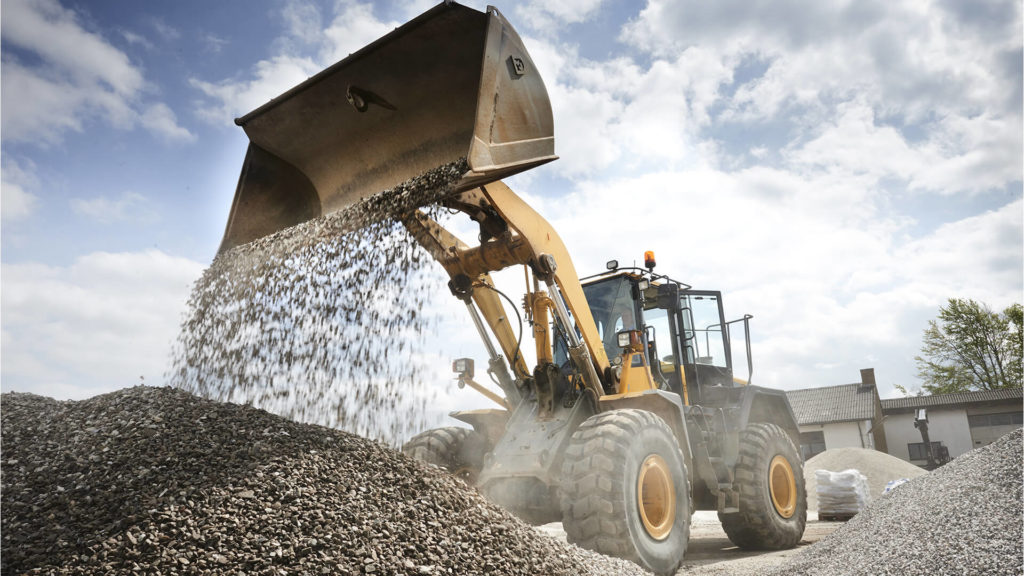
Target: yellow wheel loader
631 417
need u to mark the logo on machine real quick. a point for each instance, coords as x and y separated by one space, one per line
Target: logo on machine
517 65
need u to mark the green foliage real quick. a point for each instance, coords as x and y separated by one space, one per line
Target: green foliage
970 347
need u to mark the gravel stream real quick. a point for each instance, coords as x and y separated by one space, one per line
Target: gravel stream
158 481
325 322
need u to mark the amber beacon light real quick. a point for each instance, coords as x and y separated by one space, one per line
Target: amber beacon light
649 260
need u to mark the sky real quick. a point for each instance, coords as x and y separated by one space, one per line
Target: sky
837 169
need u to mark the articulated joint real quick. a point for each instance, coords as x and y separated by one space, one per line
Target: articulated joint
461 287
545 267
494 255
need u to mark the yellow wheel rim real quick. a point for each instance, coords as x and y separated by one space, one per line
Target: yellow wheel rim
782 486
656 497
466 473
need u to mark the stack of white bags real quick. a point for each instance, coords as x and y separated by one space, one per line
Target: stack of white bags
841 493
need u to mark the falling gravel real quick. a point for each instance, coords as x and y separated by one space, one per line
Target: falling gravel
158 481
963 518
325 322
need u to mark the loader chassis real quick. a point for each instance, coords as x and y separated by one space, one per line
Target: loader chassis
627 346
521 471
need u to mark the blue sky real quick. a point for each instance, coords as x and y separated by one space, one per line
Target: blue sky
838 169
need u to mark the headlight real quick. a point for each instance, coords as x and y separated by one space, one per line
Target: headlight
463 367
624 339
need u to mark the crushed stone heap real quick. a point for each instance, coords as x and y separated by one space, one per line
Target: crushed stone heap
963 518
879 468
158 481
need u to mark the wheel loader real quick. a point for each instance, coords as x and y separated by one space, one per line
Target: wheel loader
632 416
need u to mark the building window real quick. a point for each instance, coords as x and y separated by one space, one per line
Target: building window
811 443
1003 419
917 451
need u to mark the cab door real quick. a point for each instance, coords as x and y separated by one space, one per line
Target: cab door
707 358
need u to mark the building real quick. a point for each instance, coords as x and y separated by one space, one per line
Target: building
958 422
848 415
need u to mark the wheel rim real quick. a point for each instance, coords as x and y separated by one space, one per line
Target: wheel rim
656 497
782 486
468 474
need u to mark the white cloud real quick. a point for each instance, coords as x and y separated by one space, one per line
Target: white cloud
79 77
353 26
44 27
38 108
214 43
977 257
929 92
306 47
232 98
959 155
128 206
160 120
830 277
16 181
94 326
136 39
621 115
16 203
547 16
165 30
302 20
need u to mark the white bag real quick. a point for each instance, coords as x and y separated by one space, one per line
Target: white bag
892 484
841 493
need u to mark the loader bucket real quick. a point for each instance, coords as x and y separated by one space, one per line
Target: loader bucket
452 83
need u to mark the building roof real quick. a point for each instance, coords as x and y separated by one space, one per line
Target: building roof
957 399
843 403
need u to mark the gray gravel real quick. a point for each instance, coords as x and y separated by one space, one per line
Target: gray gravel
963 518
158 481
325 322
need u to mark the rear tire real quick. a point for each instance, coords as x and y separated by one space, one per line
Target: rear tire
773 499
457 450
625 491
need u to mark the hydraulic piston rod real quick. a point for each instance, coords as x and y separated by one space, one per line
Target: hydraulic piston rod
577 349
496 363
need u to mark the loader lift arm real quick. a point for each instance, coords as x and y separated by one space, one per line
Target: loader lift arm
513 233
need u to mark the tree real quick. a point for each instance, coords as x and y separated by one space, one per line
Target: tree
970 347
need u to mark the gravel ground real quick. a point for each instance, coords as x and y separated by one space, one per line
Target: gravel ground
158 481
879 468
963 518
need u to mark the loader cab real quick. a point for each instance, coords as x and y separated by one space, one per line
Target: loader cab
686 340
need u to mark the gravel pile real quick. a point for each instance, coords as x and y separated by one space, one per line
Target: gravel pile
963 518
879 468
324 322
158 481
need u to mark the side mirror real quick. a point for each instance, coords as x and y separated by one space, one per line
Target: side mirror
668 297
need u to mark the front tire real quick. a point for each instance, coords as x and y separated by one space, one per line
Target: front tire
457 450
625 491
773 500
